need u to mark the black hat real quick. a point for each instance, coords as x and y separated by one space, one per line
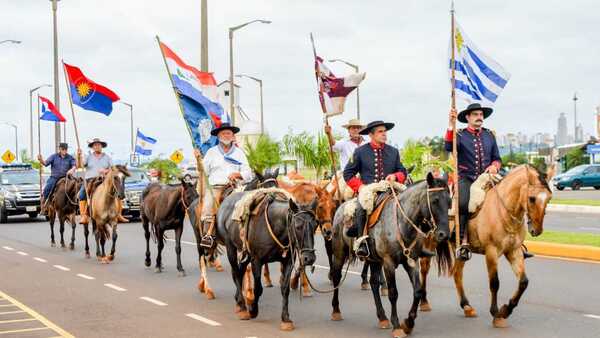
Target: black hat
225 126
462 116
366 130
97 140
63 145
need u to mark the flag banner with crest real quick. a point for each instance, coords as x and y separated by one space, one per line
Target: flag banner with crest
144 144
87 94
199 99
333 90
478 78
49 111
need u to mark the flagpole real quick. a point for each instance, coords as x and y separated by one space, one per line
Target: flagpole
454 146
326 120
133 152
39 144
72 114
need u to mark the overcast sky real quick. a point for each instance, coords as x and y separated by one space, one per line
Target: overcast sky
551 48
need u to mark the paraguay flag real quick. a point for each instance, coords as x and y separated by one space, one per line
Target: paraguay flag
88 94
49 111
144 144
198 96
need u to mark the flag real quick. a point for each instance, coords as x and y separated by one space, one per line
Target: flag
333 90
49 111
478 78
144 144
199 99
87 94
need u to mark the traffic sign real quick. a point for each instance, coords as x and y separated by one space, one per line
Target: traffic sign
8 156
593 149
177 156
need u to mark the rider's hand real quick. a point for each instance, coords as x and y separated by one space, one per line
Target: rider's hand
327 129
40 158
391 178
492 170
452 118
235 176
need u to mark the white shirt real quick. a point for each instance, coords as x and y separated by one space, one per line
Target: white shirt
346 149
218 168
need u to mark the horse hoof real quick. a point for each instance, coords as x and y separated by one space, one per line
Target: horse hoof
336 316
399 333
268 284
72 246
364 286
110 258
384 324
158 270
147 263
500 323
425 307
87 255
407 330
181 273
286 326
201 285
384 292
52 244
469 311
210 295
244 315
219 268
237 309
62 245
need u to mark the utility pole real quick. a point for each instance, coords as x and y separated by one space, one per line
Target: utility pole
575 117
204 36
56 84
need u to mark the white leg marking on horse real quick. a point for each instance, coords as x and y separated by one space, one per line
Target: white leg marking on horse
115 287
203 319
60 267
592 316
22 253
41 260
85 276
8 248
154 301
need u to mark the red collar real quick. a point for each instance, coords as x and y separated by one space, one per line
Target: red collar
474 131
375 145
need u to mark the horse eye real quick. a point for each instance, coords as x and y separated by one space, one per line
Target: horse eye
531 199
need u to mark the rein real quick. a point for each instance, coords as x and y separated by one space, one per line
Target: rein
67 193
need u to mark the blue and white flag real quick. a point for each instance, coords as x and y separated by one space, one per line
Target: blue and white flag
478 77
144 144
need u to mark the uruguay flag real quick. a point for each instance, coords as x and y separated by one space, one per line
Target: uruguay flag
198 96
478 78
49 111
87 94
144 144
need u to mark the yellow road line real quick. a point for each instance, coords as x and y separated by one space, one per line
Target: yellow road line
25 330
37 316
11 312
17 320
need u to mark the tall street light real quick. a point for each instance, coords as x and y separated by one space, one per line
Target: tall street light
204 36
355 67
16 42
56 84
16 139
130 122
260 86
31 91
231 84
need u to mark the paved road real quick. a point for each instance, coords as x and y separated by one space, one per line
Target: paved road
572 222
583 194
88 299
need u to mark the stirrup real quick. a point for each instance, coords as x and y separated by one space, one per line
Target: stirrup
361 247
463 253
207 241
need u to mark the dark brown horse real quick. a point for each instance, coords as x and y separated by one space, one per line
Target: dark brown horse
64 205
165 207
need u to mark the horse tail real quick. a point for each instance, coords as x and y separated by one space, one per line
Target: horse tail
444 259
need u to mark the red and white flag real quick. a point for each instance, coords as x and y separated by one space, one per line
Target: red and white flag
333 90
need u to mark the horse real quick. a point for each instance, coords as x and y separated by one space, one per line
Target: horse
497 229
280 231
419 212
104 211
165 207
64 206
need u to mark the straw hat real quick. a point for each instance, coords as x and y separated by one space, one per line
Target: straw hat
353 123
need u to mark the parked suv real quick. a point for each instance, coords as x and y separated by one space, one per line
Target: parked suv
587 175
19 191
134 185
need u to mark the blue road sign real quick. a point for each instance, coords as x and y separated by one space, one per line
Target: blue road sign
593 149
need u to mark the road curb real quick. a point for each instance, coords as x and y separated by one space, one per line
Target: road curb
564 250
584 209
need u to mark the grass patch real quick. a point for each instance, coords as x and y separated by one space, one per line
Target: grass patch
567 238
575 202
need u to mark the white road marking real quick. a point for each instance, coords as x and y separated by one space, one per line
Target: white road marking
40 260
60 267
203 319
184 242
22 253
592 316
8 248
11 312
85 276
154 301
115 287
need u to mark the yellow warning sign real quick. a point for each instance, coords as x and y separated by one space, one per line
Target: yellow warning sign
177 156
8 156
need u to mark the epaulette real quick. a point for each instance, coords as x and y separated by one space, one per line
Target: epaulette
493 132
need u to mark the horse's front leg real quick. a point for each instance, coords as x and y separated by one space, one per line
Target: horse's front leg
267 275
336 276
425 264
364 284
237 274
73 226
178 232
374 282
409 322
258 289
52 219
146 227
468 310
111 257
61 222
329 251
286 322
518 266
160 234
86 233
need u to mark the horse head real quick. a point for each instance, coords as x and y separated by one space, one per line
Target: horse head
268 179
189 192
538 195
435 208
116 179
302 222
325 211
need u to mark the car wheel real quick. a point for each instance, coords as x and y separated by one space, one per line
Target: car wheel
597 187
561 188
3 215
32 215
576 185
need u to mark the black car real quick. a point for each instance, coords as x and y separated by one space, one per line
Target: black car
134 185
19 191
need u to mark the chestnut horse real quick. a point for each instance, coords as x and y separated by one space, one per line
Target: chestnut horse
498 229
64 206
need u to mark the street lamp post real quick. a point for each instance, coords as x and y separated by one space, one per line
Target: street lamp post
130 123
31 91
16 139
56 85
204 36
10 41
231 84
355 67
575 117
260 86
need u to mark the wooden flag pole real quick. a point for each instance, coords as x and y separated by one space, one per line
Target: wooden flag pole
326 121
454 146
79 162
39 143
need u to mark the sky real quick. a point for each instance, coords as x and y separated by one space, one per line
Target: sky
550 48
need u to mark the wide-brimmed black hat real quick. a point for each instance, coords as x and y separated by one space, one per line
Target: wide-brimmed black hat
462 116
63 145
97 140
366 130
225 126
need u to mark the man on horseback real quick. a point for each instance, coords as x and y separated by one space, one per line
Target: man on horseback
61 164
477 154
346 147
374 161
97 164
224 164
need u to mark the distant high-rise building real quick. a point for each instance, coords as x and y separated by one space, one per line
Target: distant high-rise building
562 136
579 133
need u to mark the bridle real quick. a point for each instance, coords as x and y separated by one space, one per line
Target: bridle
265 182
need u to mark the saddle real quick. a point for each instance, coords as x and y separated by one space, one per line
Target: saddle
380 201
479 189
93 184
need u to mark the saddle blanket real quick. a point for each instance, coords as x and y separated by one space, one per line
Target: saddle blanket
367 196
479 188
243 207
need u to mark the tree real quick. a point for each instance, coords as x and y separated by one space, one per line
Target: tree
514 159
26 159
576 157
437 145
312 151
168 169
266 153
419 155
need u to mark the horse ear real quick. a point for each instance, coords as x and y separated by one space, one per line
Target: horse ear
430 179
293 206
259 176
550 172
276 172
314 204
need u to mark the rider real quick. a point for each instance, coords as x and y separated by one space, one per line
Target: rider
224 163
61 164
97 164
374 161
346 147
477 154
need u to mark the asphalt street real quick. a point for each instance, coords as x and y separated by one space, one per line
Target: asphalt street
126 299
583 194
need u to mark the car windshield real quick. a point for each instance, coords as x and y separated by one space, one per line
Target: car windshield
137 176
20 178
577 170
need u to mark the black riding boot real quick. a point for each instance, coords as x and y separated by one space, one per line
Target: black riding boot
360 218
463 252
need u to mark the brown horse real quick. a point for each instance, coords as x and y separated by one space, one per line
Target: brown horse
64 206
104 211
498 230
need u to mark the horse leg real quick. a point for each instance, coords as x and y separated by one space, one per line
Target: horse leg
294 280
409 322
178 232
286 323
329 251
249 288
111 257
161 244
61 222
491 260
73 226
305 287
425 264
336 275
364 284
267 275
518 266
457 273
146 227
97 236
86 233
384 323
52 219
383 284
258 289
237 275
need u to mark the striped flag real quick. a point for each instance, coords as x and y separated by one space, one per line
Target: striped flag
478 78
144 144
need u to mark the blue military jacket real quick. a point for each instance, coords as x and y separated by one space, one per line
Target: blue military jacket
373 164
477 150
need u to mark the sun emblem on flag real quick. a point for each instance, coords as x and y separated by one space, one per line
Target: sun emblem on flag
459 40
204 128
85 91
